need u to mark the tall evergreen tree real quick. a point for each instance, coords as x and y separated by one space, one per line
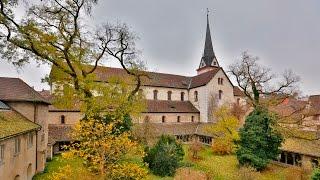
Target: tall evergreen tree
259 140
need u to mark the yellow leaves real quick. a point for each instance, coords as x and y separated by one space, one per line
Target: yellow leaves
127 171
103 150
225 131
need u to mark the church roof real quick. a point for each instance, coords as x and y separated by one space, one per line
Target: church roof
162 106
14 89
237 91
155 79
58 133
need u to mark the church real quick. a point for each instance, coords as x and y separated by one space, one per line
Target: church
177 105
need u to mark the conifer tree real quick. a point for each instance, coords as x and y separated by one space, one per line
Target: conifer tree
260 141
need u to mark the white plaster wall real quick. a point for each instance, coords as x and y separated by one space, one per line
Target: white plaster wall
212 89
163 93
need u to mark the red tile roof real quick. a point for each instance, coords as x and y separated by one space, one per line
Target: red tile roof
160 106
238 92
176 128
58 133
314 102
155 79
14 89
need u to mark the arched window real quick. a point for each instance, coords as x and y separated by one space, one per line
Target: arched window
169 95
218 80
192 118
182 96
220 94
163 119
221 81
196 96
62 119
155 94
178 119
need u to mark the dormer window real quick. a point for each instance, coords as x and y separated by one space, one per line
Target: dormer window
169 95
196 96
155 94
62 119
182 96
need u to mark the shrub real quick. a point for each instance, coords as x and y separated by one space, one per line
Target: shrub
316 174
127 171
259 141
222 147
164 157
195 147
225 131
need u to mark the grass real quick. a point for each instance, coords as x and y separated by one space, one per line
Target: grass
58 164
208 165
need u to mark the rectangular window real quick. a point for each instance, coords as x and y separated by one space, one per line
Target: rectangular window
17 145
30 140
1 154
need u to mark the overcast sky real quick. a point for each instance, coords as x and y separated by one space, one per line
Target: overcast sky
284 34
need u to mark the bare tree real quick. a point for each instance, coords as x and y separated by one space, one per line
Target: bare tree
257 81
55 32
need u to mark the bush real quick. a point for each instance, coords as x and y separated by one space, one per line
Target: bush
164 158
225 131
222 147
259 141
195 147
316 174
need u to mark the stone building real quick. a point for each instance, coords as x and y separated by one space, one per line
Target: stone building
184 102
23 130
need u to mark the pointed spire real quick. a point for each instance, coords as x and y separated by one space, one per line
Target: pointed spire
209 57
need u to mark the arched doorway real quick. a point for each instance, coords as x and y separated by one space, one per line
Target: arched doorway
29 172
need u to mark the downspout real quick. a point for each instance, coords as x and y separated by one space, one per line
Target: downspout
34 120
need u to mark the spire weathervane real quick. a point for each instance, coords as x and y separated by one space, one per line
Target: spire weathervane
208 58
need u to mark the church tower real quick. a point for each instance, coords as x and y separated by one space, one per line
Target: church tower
208 60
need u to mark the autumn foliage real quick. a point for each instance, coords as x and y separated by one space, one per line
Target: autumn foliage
105 152
224 131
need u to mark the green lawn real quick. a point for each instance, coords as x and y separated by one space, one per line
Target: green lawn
209 165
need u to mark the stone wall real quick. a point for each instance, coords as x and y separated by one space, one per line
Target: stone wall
22 164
